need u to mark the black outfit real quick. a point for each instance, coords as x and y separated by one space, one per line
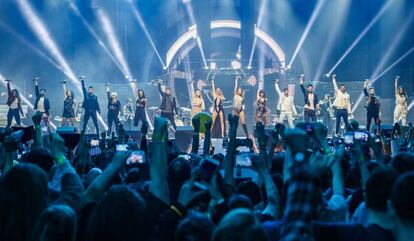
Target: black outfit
372 104
310 115
13 112
91 106
140 114
216 131
114 108
326 117
45 102
68 110
341 113
168 106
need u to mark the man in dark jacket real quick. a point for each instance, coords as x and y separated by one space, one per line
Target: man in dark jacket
311 101
372 103
42 105
168 104
91 106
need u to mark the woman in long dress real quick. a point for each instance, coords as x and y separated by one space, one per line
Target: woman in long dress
218 127
401 103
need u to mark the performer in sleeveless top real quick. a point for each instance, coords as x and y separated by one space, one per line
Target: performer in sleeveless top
218 127
114 109
401 103
68 106
198 102
261 111
238 106
141 102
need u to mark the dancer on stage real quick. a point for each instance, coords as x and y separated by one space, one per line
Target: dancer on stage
128 114
218 127
68 106
325 108
168 104
238 106
261 110
90 105
15 105
285 105
141 102
372 103
42 105
311 100
401 103
342 105
198 102
114 110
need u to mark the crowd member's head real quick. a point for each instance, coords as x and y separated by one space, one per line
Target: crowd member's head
250 190
23 196
91 175
378 191
120 215
239 225
195 227
402 200
403 162
239 201
41 157
57 223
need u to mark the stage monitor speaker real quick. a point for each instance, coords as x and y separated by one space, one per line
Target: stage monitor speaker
183 137
134 134
68 133
28 132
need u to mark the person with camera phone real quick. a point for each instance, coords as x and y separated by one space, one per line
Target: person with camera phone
42 105
14 102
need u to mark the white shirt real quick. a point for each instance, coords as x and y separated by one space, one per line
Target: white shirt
285 103
41 105
14 104
342 101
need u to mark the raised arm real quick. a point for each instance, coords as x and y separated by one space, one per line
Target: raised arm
83 88
9 92
134 82
365 88
64 89
396 84
37 87
213 87
192 90
236 83
277 87
301 83
108 95
159 88
334 83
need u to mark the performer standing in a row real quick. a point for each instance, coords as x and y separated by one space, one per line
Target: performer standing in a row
91 106
15 105
68 106
218 127
114 109
197 99
141 104
325 108
238 106
128 114
261 111
311 101
168 104
372 103
285 105
342 105
401 103
42 105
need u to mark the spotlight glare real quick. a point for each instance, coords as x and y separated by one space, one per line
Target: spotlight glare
42 33
327 75
308 27
235 64
362 34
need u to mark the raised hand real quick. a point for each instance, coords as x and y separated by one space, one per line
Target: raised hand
196 124
160 129
234 122
36 119
261 134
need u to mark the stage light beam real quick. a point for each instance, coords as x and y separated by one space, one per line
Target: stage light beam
42 33
316 11
144 28
362 34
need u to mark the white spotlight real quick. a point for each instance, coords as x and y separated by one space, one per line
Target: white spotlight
327 75
213 65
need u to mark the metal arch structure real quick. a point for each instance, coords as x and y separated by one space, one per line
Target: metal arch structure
216 24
